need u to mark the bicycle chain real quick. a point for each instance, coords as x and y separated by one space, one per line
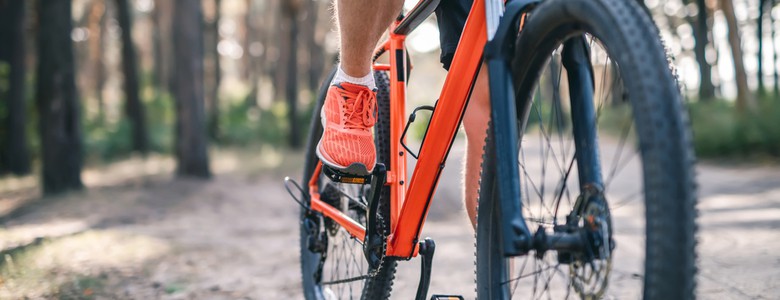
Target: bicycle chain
382 233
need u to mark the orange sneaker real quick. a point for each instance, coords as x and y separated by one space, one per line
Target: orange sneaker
348 115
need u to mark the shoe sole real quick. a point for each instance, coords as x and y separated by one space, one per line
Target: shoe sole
357 169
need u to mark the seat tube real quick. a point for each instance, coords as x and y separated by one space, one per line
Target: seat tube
397 168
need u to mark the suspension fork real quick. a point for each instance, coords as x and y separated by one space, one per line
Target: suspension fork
576 59
516 238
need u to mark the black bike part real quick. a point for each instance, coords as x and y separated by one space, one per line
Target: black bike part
498 51
416 16
310 260
576 59
302 199
427 248
373 242
382 284
343 177
412 117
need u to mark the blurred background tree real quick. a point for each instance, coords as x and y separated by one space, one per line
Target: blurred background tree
14 155
191 139
57 100
133 107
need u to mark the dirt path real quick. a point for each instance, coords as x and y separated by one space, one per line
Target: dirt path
235 237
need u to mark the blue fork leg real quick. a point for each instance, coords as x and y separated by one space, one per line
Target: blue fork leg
576 60
516 238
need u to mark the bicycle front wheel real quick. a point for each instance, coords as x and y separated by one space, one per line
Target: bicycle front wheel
604 151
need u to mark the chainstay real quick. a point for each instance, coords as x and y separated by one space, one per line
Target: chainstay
371 273
346 280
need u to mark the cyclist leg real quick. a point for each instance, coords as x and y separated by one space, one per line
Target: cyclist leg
348 113
361 23
475 124
451 16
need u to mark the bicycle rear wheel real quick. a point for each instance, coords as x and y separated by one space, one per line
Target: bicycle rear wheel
339 269
636 162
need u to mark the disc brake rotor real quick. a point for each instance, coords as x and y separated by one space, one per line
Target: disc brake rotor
589 272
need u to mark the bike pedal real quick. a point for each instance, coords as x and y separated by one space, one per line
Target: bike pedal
446 297
338 176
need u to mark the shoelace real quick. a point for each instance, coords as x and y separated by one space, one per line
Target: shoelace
360 108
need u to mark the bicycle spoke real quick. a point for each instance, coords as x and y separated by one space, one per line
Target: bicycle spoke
516 281
545 174
625 200
616 160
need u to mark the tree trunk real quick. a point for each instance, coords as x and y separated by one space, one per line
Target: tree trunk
316 59
744 99
14 156
97 28
58 107
245 36
700 32
191 140
216 73
159 62
291 83
166 15
776 81
134 109
760 54
254 35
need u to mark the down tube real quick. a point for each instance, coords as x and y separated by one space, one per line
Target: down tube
442 129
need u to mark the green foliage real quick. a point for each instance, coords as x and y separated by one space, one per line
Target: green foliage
160 120
105 140
719 131
243 123
173 288
5 72
419 127
240 124
556 120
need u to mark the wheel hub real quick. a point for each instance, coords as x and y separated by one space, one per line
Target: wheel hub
590 268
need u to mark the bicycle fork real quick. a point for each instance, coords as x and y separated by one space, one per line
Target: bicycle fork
516 237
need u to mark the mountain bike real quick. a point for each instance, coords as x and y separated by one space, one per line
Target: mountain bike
587 186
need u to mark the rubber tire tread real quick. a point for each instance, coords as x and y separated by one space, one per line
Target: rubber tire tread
379 286
661 123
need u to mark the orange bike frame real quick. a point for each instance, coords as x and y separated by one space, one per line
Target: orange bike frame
409 201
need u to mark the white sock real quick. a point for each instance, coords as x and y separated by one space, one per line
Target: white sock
367 80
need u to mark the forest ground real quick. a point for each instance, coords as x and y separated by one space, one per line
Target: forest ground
137 232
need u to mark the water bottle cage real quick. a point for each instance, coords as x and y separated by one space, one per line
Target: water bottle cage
412 117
